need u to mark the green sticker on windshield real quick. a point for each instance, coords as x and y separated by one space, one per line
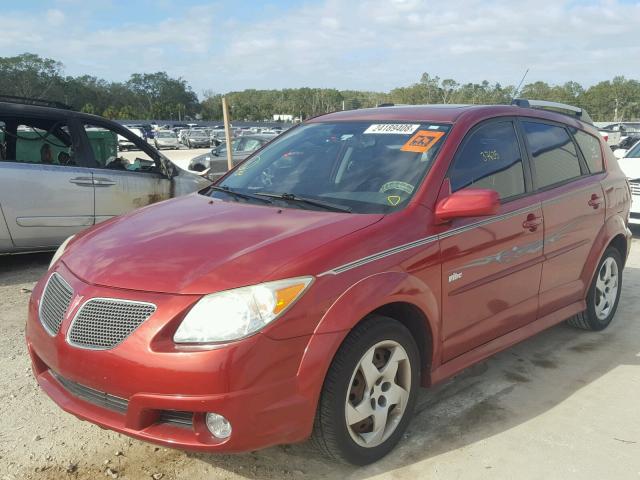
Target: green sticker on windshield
393 199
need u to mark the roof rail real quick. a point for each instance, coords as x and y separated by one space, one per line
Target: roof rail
38 102
563 108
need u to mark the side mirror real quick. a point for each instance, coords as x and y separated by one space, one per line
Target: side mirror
474 202
620 153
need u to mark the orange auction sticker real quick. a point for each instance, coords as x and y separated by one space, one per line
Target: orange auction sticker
422 141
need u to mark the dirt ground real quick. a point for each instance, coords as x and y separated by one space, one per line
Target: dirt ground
562 405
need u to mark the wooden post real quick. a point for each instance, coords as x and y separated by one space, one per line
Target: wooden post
227 133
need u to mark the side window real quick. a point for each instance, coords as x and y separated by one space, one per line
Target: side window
38 141
554 155
590 147
251 145
490 158
114 151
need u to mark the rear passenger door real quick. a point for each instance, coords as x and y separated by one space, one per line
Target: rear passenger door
572 205
491 266
46 190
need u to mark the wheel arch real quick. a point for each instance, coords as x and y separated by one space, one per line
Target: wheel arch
614 233
398 295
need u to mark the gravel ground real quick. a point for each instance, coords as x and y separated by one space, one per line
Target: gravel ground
560 405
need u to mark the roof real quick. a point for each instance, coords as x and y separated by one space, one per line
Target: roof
444 114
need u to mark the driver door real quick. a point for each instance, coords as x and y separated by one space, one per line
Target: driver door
123 181
492 263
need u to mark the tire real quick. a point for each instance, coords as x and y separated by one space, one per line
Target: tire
347 392
604 294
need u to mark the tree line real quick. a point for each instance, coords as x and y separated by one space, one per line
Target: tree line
159 96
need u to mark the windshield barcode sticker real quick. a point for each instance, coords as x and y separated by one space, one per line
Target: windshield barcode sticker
393 128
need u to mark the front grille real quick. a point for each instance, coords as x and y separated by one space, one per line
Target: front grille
117 404
54 303
102 323
635 188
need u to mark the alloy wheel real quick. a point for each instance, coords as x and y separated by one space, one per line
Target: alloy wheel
378 393
606 288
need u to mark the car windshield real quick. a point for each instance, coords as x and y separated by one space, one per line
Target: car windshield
366 167
634 152
166 135
198 133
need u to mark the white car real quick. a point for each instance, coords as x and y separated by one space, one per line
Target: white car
126 144
629 161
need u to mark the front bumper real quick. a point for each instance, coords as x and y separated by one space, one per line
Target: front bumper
254 383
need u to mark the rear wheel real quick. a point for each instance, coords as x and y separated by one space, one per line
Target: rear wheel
369 392
604 294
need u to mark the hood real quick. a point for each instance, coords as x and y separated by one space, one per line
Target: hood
199 245
630 167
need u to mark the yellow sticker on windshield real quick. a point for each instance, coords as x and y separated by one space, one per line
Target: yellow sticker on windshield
393 200
422 141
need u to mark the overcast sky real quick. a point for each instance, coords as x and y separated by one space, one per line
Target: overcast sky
359 44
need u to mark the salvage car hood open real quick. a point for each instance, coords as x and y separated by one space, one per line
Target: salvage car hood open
198 245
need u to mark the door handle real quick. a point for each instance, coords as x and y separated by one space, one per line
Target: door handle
83 181
532 222
103 182
595 201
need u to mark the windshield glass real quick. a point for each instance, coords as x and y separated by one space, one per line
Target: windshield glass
198 133
367 167
634 152
166 135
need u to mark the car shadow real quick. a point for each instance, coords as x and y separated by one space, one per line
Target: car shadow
25 268
496 395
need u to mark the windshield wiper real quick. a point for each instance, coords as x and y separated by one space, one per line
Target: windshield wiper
316 203
233 193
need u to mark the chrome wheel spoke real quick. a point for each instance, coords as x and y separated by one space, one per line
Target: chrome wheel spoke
376 436
368 369
362 411
397 396
390 370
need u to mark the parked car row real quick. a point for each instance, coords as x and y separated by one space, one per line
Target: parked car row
620 134
214 164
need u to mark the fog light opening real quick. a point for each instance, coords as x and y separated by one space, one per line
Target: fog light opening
218 426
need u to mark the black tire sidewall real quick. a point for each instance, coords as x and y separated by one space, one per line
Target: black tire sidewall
594 322
380 329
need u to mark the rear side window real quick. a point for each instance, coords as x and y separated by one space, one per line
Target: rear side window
590 147
490 158
555 159
37 141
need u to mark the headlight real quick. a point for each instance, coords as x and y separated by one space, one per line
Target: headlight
234 314
60 250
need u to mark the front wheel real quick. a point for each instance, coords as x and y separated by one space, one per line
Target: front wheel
369 392
604 294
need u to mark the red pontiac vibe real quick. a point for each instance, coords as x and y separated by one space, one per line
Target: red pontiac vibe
317 286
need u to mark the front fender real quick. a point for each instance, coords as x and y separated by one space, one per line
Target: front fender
378 290
353 305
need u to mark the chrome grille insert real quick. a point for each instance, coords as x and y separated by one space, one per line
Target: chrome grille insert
54 303
102 323
635 187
